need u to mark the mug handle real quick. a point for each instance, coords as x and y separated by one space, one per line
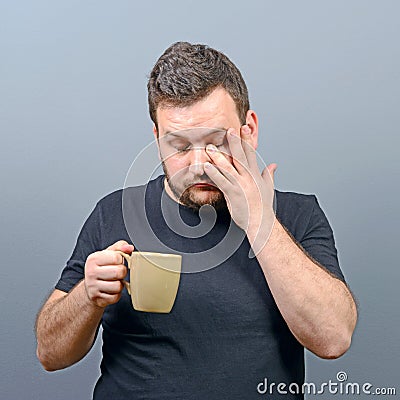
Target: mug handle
128 260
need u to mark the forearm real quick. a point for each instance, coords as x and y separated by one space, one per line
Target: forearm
66 329
317 307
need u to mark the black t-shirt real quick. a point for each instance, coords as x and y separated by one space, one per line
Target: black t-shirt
225 334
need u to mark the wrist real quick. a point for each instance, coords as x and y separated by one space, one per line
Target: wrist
260 229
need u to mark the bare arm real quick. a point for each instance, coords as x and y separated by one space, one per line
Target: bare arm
318 308
67 324
66 328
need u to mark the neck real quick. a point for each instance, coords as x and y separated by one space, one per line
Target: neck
169 192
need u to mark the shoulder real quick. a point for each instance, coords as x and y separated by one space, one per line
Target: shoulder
295 210
292 201
131 194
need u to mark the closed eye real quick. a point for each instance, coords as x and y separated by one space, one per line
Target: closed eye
179 145
181 149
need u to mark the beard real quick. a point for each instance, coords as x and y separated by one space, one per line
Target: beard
195 198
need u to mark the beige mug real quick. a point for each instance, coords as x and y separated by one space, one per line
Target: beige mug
154 280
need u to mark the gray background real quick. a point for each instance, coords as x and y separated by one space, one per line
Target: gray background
324 79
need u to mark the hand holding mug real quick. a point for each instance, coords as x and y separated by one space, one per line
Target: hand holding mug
105 273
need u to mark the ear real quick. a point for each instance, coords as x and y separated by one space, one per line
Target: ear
252 123
155 133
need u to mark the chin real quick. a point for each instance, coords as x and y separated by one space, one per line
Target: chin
196 198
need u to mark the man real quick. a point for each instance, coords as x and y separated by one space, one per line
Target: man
236 319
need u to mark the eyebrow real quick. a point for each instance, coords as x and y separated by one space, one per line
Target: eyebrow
211 131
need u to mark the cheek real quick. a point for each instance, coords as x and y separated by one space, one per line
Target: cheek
175 164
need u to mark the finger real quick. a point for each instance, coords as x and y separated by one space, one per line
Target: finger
221 162
249 150
217 177
117 245
268 173
111 272
105 299
121 245
237 153
106 257
110 287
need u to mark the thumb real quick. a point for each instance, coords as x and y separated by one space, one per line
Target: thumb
269 172
121 245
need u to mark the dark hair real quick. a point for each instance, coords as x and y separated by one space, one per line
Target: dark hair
186 73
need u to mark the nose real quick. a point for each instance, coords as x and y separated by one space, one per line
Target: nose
198 156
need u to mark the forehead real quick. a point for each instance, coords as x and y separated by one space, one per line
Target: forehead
217 110
195 135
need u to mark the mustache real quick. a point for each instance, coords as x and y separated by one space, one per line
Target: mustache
196 180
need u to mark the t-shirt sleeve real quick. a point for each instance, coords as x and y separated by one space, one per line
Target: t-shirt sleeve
88 242
319 243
